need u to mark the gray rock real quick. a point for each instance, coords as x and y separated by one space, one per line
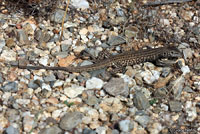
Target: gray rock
12 115
117 86
92 100
71 120
125 125
2 44
177 86
131 32
42 36
51 130
142 119
140 101
10 87
175 106
64 47
22 37
196 30
1 78
11 130
58 15
32 84
187 53
50 78
116 40
115 131
88 131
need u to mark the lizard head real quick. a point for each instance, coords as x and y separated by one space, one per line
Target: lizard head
171 52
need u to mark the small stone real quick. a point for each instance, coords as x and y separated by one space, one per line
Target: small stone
11 130
33 84
64 62
101 130
78 49
150 77
88 131
185 69
71 120
2 44
83 31
10 43
165 71
58 16
1 78
94 83
191 111
177 86
131 32
175 106
52 130
140 101
73 91
154 127
56 113
142 119
10 87
117 86
111 105
80 4
92 100
8 55
187 53
58 83
50 78
28 122
29 28
116 40
22 37
46 86
126 125
44 60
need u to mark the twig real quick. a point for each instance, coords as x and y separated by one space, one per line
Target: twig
165 2
64 20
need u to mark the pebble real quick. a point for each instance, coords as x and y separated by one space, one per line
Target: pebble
116 40
58 83
2 44
28 121
177 86
155 128
92 100
50 78
22 37
10 87
70 120
80 4
46 86
142 119
131 32
94 83
191 111
187 53
58 15
175 106
73 91
117 86
11 130
111 104
1 77
140 101
44 60
101 130
126 125
150 77
51 130
185 69
8 55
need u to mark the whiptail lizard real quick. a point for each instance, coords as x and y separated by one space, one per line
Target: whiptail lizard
124 59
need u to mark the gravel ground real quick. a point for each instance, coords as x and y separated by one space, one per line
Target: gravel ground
145 99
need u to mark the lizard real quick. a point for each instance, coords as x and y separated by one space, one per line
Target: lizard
127 58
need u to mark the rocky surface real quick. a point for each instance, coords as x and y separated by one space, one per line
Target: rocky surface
146 98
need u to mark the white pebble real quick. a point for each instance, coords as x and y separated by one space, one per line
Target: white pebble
94 83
